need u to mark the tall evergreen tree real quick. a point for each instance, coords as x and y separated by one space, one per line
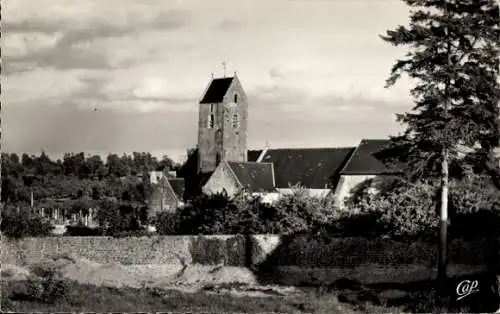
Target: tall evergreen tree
453 59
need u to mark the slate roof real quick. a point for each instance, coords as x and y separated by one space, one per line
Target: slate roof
253 155
217 90
191 164
312 168
364 160
255 177
178 185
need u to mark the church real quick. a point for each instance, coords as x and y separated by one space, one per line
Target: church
223 162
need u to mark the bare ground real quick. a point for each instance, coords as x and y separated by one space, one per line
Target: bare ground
185 278
223 280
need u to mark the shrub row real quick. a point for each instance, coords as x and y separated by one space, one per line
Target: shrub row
399 210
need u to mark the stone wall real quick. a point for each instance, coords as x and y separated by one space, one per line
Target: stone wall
313 251
222 179
234 250
227 250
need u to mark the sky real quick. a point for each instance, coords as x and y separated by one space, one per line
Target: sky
101 76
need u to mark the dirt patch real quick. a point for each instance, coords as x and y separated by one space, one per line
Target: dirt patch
181 277
14 273
242 289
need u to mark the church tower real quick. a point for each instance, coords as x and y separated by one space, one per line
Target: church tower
222 123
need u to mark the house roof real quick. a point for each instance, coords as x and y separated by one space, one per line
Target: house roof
216 90
255 177
178 186
364 160
253 155
312 168
191 164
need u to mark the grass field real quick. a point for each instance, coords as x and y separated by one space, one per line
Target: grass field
21 296
81 298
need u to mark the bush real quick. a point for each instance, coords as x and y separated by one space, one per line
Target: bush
117 219
404 209
475 194
82 231
245 214
24 223
46 285
205 215
167 223
299 211
46 290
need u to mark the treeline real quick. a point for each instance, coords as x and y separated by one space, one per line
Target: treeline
83 167
75 177
399 210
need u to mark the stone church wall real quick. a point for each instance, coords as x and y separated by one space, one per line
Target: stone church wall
235 139
221 179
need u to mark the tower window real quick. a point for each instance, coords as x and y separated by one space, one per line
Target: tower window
235 98
235 121
211 107
211 121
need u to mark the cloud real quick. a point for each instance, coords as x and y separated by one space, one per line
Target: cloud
57 42
227 24
144 64
42 85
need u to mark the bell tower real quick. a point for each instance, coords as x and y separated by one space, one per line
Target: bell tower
222 123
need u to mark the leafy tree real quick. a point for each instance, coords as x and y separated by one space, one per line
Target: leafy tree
167 223
116 166
96 167
453 58
27 161
43 166
115 217
244 214
18 222
11 165
165 164
74 164
11 189
97 192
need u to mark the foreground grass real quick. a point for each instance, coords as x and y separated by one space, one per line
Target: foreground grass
340 297
80 297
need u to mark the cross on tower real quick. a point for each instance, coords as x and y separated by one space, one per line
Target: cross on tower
224 67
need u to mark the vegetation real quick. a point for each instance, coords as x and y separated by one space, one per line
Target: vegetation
453 59
411 209
76 184
244 214
398 210
22 222
101 299
76 177
342 296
